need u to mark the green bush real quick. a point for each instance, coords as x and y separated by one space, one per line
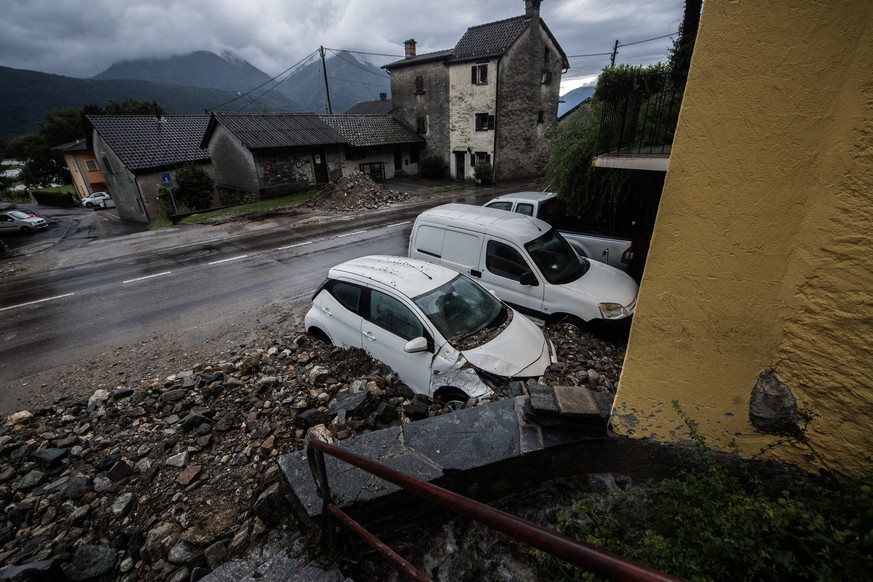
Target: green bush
718 524
434 168
61 199
484 172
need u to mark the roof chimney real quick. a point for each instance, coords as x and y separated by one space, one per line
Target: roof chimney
532 8
409 47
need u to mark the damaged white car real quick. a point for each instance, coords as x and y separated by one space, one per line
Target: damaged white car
440 331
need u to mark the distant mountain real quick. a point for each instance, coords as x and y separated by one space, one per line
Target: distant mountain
28 95
350 80
573 98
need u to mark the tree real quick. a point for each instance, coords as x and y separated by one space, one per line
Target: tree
683 46
194 188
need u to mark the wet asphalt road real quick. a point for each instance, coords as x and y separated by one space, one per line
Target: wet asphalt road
70 313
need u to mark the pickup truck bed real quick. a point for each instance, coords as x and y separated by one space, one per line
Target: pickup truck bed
616 252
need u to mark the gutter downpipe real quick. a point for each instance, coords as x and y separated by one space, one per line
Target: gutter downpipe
496 122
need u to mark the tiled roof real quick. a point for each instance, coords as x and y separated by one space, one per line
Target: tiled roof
145 142
420 59
489 40
481 42
380 107
276 130
79 145
371 130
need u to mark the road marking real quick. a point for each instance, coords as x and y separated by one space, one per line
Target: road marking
350 233
147 277
37 301
397 224
228 260
303 244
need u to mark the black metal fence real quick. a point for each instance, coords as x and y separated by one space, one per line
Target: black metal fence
639 114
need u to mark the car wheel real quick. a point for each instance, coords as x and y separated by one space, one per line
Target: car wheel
570 323
453 398
320 335
89 205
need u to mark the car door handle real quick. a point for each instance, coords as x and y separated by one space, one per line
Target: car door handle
327 311
369 335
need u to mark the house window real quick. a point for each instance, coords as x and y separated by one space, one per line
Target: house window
376 170
421 125
541 116
106 166
546 56
479 74
547 78
91 165
413 154
419 85
482 158
484 122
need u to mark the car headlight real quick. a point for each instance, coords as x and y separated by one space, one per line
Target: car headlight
613 311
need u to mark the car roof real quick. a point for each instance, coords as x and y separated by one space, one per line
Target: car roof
409 277
489 220
535 196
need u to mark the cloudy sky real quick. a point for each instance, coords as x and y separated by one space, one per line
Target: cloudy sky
81 38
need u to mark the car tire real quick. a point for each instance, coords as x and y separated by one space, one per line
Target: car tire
452 397
569 322
319 335
89 205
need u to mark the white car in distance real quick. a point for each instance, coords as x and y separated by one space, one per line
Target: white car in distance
440 331
98 200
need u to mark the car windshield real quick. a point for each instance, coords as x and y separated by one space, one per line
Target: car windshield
460 308
18 214
556 259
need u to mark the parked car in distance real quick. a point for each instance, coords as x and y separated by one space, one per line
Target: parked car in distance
615 251
98 200
528 264
18 221
440 331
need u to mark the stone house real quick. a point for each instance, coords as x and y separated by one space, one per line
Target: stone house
265 155
377 145
492 98
139 153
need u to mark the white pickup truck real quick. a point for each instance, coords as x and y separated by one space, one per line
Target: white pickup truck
614 251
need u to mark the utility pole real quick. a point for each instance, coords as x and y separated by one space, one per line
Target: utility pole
614 52
326 87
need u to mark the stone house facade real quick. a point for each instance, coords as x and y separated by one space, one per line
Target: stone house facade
492 98
139 153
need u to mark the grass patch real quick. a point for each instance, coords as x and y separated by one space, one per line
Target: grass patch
160 223
64 188
719 524
254 207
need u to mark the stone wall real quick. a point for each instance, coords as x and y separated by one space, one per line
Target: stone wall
432 104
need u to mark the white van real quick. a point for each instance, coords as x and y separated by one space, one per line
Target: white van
526 263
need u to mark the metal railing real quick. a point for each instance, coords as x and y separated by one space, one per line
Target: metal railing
578 553
639 115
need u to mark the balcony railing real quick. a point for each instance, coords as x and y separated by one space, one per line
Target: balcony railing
638 115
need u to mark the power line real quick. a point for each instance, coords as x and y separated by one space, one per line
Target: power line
264 83
299 64
339 56
648 39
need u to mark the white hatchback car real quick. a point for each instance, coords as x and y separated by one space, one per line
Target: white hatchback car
440 331
97 200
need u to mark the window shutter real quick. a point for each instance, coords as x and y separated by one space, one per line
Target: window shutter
473 74
490 122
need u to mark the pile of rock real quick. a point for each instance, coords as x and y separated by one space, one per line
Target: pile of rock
169 479
356 191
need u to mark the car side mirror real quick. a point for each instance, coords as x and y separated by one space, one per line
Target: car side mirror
527 278
416 345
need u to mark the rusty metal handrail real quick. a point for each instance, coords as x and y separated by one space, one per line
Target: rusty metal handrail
578 553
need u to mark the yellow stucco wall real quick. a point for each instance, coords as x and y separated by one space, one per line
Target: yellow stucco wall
762 254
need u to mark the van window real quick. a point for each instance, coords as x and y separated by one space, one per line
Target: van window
429 240
462 249
556 259
390 314
505 261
